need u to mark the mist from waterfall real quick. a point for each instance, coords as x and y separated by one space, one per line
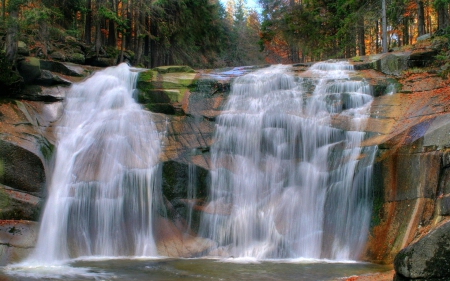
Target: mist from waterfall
284 182
104 182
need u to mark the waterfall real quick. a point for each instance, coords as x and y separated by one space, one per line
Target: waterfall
284 182
103 183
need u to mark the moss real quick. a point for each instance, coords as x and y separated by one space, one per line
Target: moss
173 69
4 199
46 149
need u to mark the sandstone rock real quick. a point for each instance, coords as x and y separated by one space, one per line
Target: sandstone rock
18 205
172 242
428 258
17 240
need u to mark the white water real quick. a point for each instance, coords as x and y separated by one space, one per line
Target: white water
284 183
103 185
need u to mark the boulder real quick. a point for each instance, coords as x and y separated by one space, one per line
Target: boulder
48 79
22 169
427 259
393 63
22 49
29 69
63 68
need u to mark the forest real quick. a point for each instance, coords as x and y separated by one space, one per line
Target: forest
209 34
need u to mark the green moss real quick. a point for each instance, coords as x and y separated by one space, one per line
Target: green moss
46 148
4 199
173 69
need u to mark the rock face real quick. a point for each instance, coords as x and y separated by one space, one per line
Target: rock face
427 259
17 240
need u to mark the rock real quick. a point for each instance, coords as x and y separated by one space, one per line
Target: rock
59 56
46 94
428 258
18 205
29 69
76 58
101 61
22 49
63 68
422 59
48 79
173 69
167 91
172 242
423 37
17 240
393 63
22 169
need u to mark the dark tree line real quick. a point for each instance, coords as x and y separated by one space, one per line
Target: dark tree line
152 32
309 30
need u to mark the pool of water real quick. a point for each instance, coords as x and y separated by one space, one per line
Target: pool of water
190 269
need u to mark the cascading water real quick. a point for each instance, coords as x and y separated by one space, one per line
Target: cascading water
104 183
285 184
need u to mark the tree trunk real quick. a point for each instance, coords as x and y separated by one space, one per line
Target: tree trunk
154 45
384 27
44 36
4 10
377 37
129 32
88 24
420 18
11 35
147 41
405 31
443 17
112 34
361 38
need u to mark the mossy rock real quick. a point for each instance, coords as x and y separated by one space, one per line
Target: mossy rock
30 69
173 69
76 58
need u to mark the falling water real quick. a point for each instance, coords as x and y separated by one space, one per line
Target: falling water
103 184
285 184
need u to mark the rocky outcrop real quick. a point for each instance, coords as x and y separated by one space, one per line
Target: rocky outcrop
427 259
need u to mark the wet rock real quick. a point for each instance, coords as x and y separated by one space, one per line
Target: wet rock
172 242
17 240
427 259
166 89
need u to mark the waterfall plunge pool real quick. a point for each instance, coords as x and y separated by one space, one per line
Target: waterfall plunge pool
192 269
